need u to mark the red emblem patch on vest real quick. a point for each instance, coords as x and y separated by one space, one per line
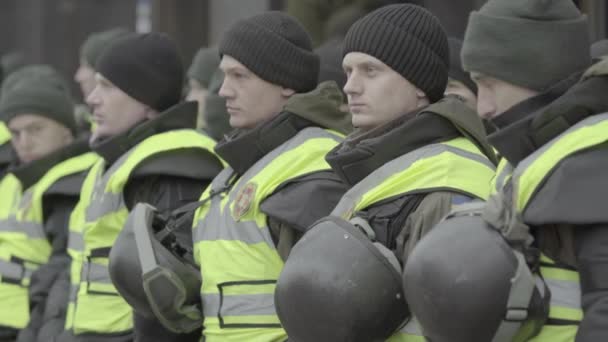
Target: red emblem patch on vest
243 200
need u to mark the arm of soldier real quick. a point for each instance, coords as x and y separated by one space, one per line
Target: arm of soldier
57 212
591 248
431 210
157 182
58 202
171 179
297 204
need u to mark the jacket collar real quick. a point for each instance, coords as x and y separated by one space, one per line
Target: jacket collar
363 152
243 148
552 113
182 115
28 174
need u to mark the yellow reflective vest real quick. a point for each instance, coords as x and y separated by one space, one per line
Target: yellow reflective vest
95 306
565 311
456 165
23 242
232 242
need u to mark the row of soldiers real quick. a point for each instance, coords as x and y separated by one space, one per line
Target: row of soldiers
413 204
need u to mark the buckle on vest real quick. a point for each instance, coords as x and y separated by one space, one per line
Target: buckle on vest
516 314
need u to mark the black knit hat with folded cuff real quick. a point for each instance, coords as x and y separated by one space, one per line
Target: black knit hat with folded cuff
410 40
147 67
276 48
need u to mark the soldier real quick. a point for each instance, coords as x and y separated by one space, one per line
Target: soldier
414 156
150 153
277 182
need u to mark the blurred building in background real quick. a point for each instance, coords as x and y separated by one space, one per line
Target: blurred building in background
51 31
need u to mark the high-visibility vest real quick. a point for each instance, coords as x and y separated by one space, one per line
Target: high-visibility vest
456 165
5 134
23 242
233 245
565 311
95 306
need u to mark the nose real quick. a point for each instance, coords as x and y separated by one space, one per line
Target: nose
486 103
226 90
352 86
94 99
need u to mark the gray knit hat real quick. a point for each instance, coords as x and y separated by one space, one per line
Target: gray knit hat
275 47
92 48
529 43
410 40
42 98
204 64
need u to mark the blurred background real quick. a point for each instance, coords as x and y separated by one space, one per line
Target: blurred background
52 31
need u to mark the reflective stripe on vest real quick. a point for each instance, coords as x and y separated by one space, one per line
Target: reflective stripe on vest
233 245
11 190
5 134
95 305
527 178
456 165
503 174
23 242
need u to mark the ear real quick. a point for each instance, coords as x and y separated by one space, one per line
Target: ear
68 136
422 99
150 113
286 92
420 94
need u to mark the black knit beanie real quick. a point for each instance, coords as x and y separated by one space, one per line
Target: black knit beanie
456 72
145 66
275 47
410 40
33 97
93 47
529 43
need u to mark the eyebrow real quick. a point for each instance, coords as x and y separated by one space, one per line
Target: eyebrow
26 126
365 64
233 69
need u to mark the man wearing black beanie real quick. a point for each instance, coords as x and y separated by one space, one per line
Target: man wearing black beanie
150 153
277 182
413 158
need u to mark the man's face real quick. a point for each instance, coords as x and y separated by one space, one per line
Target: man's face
494 96
376 93
462 91
197 93
114 112
250 100
85 76
34 136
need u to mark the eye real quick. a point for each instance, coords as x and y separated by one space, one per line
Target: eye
370 70
347 71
